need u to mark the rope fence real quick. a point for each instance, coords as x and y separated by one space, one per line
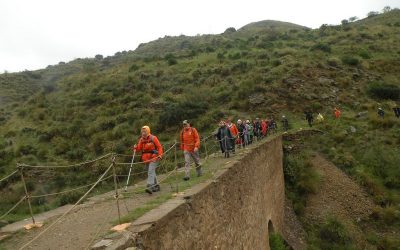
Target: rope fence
168 165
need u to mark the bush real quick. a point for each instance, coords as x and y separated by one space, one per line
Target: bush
70 197
334 235
301 179
322 47
349 60
173 113
276 242
384 91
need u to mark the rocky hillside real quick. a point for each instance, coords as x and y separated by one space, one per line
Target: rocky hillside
81 109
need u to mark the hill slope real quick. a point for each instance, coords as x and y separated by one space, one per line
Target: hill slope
82 109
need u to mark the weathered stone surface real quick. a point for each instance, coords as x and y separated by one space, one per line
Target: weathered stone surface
102 244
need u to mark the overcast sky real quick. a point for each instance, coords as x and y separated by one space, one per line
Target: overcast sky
37 33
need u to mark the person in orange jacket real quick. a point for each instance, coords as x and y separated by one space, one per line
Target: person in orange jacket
152 151
190 145
337 113
234 132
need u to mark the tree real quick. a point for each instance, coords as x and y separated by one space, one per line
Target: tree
372 13
230 30
386 9
353 18
99 57
345 21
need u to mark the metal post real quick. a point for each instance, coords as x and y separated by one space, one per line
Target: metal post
116 188
21 169
176 169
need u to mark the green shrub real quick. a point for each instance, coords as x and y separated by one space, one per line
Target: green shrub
334 235
350 60
301 179
322 46
276 242
384 91
70 197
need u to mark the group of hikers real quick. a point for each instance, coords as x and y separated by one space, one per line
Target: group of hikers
229 135
337 113
396 111
320 118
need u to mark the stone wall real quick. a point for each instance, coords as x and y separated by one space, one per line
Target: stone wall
236 210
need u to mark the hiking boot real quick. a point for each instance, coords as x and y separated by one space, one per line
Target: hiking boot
148 189
156 188
199 171
186 178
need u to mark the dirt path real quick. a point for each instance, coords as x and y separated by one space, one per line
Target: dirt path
90 221
340 196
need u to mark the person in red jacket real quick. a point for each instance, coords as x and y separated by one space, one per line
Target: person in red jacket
190 145
337 113
264 127
152 151
234 132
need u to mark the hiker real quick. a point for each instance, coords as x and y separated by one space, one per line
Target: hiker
381 113
337 113
264 128
250 132
396 111
320 118
285 123
242 131
272 126
257 128
223 135
190 144
309 118
234 133
152 152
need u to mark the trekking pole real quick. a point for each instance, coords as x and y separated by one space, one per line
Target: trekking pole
176 168
130 169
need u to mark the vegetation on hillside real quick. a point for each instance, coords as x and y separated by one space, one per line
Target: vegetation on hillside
79 110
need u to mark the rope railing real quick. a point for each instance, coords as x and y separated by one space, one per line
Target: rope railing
69 210
67 166
69 190
163 164
11 209
8 176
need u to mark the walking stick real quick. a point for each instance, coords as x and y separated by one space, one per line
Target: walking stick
130 169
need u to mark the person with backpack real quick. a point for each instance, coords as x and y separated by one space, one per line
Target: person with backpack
381 113
152 152
320 118
396 111
264 128
190 144
223 136
337 113
250 132
272 126
309 118
242 132
257 128
234 132
285 123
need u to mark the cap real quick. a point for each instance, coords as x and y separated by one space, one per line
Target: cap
185 122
